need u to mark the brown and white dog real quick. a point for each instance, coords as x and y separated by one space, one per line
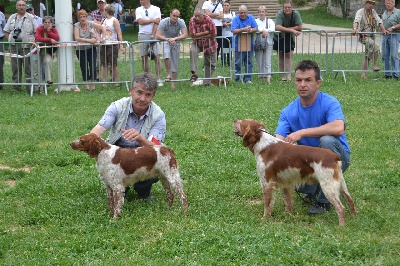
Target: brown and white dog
287 166
120 167
215 80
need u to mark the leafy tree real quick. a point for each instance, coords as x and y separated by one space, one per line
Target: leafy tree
186 8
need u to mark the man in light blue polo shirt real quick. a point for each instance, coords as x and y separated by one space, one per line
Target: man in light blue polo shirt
314 119
172 30
135 121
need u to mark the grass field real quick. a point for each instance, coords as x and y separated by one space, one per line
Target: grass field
54 209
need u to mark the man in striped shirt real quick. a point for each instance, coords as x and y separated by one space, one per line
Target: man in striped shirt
203 31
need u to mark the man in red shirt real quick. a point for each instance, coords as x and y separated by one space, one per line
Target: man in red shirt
203 31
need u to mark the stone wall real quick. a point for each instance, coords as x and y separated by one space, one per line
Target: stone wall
352 6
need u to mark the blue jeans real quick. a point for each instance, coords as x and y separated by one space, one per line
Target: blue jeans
390 47
246 59
333 144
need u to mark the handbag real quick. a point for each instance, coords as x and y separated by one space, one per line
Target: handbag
260 44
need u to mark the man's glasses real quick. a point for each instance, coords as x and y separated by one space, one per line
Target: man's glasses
147 13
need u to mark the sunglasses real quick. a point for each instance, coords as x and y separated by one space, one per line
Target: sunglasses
147 13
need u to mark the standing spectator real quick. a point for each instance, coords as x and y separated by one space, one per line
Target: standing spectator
109 51
366 20
227 34
390 44
203 31
288 22
243 24
79 5
34 60
20 27
135 121
118 9
2 25
266 27
86 31
48 35
214 9
314 119
42 9
172 30
98 16
148 17
31 10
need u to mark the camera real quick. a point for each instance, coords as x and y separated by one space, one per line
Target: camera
17 31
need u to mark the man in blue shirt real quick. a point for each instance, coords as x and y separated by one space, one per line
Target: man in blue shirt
243 26
314 119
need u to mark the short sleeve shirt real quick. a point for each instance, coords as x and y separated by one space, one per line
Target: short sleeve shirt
288 21
218 9
171 30
110 117
324 110
150 13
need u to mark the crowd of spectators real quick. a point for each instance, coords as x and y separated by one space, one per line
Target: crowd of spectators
217 32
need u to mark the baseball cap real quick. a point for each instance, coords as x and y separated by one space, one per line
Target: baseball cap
101 1
370 1
29 7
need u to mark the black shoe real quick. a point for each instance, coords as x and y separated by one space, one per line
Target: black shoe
396 78
388 77
319 208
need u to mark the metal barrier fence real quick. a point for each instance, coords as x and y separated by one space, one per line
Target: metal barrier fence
32 65
350 53
149 53
25 65
310 44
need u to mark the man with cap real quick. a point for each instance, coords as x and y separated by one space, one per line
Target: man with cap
30 10
367 20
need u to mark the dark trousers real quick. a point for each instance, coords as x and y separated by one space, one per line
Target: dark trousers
87 62
1 61
333 144
226 57
219 40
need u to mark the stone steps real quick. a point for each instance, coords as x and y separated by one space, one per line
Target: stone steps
272 6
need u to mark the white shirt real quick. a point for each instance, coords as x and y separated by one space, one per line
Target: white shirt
268 25
152 12
42 8
218 9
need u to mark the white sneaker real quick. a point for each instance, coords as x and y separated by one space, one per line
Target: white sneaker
160 83
248 82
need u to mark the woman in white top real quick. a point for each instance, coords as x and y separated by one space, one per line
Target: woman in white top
109 51
86 31
227 33
266 27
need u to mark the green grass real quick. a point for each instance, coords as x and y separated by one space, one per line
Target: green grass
54 209
56 213
319 16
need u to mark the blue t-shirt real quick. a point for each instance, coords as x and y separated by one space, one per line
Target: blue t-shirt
238 23
324 110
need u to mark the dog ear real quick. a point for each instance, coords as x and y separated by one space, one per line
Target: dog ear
250 136
94 148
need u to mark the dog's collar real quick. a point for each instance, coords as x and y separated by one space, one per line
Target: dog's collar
264 130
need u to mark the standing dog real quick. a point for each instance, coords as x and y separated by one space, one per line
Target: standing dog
120 167
286 166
